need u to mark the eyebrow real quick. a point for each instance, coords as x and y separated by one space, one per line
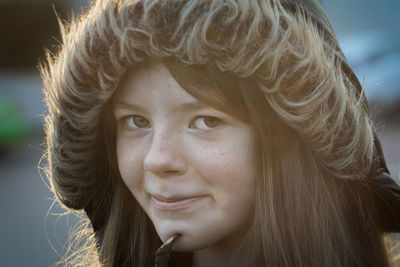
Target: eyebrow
186 106
124 105
192 105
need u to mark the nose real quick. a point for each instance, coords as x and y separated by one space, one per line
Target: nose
164 156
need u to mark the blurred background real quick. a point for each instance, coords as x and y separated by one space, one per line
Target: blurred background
32 234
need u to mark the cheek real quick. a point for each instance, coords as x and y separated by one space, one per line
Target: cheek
235 177
228 167
130 158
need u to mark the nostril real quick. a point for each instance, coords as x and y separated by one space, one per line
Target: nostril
164 168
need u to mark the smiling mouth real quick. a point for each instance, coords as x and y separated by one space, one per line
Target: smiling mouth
174 203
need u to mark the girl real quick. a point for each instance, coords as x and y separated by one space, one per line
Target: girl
235 130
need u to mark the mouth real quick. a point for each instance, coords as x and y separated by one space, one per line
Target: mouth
173 203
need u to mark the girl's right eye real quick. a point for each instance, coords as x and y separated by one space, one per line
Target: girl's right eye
136 122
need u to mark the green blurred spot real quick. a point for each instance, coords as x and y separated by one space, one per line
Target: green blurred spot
12 123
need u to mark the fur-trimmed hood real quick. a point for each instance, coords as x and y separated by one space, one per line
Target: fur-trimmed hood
291 55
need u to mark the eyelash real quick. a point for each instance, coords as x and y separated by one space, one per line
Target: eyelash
219 121
125 121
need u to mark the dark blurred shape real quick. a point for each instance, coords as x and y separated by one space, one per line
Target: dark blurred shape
392 114
27 27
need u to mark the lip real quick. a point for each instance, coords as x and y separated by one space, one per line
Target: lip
173 203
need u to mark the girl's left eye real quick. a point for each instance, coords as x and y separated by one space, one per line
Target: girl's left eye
205 123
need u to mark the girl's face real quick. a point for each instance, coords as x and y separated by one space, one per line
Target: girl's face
191 167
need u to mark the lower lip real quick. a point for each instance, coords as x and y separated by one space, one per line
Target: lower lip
173 205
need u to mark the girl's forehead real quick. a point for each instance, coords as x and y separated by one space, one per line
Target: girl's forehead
152 73
152 84
203 83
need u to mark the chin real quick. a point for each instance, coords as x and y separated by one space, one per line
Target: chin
186 242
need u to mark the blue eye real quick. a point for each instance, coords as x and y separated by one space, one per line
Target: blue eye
136 122
206 123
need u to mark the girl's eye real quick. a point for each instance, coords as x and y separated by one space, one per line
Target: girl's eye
206 123
136 121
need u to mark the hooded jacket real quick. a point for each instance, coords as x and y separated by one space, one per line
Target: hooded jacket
236 37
